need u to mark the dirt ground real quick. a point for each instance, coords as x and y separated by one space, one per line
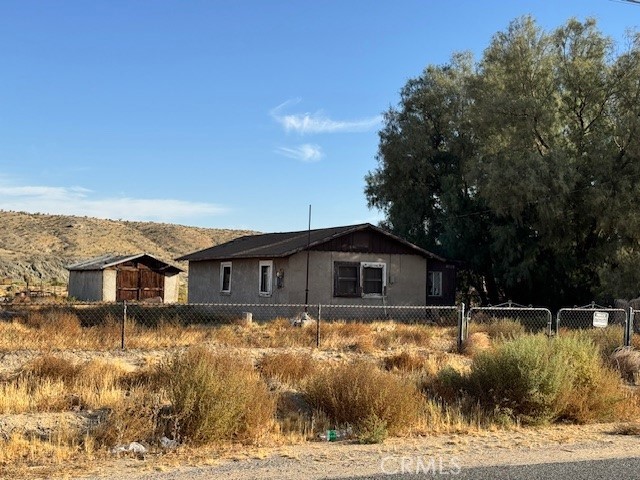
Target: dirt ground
446 453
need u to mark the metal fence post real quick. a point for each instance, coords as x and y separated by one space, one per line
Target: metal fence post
318 326
461 328
628 328
124 319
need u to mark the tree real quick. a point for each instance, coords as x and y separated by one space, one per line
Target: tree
524 165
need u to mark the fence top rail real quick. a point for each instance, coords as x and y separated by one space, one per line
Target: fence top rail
511 308
590 309
252 305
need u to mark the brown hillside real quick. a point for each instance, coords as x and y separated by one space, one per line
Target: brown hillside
40 246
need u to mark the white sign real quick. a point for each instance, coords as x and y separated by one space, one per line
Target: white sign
600 319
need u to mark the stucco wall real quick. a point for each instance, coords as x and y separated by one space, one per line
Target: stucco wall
204 283
171 284
406 280
85 286
109 285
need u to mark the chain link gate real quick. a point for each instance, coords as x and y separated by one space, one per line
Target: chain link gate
596 316
533 319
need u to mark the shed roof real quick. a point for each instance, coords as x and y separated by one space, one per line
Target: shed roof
285 244
110 260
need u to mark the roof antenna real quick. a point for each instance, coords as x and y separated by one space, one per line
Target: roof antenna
306 289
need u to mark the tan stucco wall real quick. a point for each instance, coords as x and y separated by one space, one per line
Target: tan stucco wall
85 286
109 285
171 284
204 282
406 280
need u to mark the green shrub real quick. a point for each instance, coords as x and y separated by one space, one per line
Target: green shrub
354 394
217 397
541 380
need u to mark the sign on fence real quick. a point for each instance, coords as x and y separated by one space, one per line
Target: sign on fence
600 319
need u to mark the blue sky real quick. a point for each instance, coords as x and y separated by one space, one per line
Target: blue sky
225 114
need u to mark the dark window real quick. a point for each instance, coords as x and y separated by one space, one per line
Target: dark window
435 284
225 277
265 277
346 279
372 280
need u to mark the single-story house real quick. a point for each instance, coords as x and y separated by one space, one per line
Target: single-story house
114 278
356 264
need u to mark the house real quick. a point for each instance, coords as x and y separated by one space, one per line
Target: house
114 278
351 265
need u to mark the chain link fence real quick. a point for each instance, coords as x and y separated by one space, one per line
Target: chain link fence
611 321
106 326
533 319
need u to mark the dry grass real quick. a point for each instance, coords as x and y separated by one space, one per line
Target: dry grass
498 329
217 397
627 361
475 343
358 394
286 367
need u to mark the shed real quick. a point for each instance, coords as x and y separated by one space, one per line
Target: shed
114 278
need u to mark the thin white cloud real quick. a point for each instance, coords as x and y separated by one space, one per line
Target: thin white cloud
308 123
305 153
83 202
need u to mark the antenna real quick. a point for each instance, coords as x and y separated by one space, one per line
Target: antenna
306 289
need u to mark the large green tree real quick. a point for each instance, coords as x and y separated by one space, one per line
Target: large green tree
525 165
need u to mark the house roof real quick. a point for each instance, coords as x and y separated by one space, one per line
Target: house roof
285 244
111 260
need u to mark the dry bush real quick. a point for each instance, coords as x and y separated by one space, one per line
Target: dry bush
606 339
217 397
131 419
627 362
405 362
403 334
498 329
27 394
51 367
353 394
475 343
289 368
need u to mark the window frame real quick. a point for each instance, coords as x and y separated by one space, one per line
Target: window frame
269 291
383 287
431 283
359 268
223 266
336 279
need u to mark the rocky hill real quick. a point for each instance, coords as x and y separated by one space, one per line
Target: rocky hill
38 246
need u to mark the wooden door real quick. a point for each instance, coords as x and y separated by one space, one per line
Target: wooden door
138 284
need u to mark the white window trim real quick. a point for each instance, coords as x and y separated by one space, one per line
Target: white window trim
223 265
431 273
383 267
265 263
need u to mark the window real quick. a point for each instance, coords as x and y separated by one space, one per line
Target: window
366 279
346 279
435 284
265 272
373 279
225 277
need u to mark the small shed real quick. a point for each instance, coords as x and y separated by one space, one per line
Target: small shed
114 278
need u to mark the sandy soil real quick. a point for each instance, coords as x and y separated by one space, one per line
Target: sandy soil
316 460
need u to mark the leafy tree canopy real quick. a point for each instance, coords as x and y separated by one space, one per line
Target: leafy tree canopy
524 165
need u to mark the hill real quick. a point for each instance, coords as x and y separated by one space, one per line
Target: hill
39 246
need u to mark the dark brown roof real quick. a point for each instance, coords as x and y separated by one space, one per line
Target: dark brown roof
111 260
277 245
